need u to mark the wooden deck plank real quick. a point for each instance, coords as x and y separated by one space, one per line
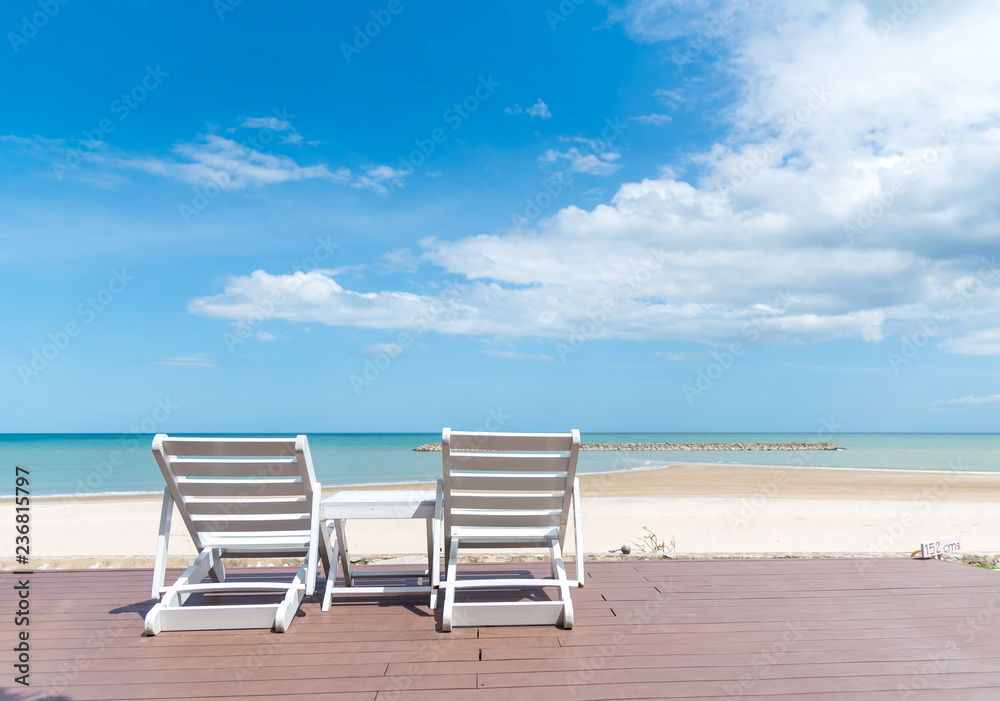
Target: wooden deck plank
832 630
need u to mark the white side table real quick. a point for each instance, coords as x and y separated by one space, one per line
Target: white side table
335 510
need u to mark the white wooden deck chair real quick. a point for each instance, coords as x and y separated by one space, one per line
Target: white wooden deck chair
510 491
238 497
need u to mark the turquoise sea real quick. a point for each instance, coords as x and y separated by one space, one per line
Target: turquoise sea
81 464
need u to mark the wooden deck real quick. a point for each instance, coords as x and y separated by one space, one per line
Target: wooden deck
851 630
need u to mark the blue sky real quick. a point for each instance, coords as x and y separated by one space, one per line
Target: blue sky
657 215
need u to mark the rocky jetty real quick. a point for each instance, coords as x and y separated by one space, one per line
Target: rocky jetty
637 447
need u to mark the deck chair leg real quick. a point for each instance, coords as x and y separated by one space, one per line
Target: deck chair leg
162 543
559 573
326 555
218 571
433 561
293 599
345 556
578 531
172 598
152 624
449 591
331 574
198 570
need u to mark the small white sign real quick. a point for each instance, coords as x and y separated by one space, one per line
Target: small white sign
951 544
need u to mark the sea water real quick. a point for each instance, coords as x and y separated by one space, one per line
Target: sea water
84 464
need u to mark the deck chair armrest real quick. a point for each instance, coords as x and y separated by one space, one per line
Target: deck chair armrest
578 531
162 543
435 566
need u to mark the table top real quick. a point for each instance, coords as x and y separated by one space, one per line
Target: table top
379 504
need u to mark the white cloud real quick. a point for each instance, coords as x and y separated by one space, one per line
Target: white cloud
759 244
209 160
228 164
575 161
272 124
378 178
673 98
681 357
393 350
511 355
980 342
655 119
667 20
990 399
197 361
402 259
539 109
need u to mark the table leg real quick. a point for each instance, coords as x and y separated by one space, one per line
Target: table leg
345 556
331 573
433 562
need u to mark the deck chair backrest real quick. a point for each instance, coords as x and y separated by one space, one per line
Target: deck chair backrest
508 480
233 490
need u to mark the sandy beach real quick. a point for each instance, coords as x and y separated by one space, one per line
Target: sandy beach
701 509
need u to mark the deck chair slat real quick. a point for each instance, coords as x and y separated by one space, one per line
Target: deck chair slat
235 548
506 482
502 501
223 467
510 462
506 518
468 440
237 488
231 524
229 447
247 506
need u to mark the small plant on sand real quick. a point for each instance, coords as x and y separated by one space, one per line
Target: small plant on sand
651 543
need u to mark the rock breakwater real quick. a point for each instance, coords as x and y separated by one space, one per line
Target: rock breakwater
638 447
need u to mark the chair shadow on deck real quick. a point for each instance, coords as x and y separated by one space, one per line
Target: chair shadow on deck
416 604
141 608
10 695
